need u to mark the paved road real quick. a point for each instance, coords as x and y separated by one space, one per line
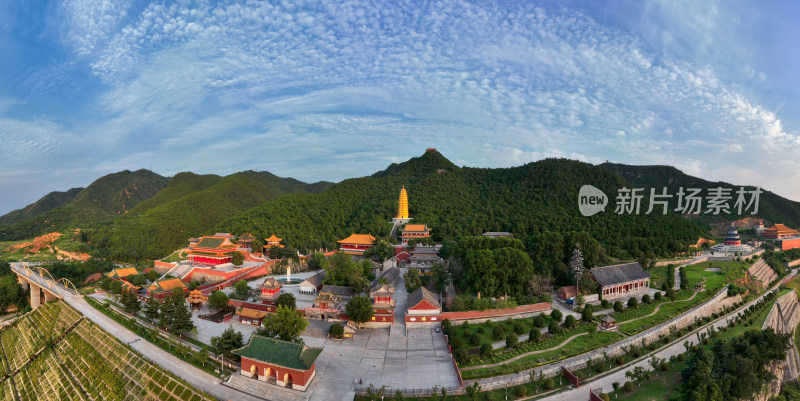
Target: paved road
194 376
605 383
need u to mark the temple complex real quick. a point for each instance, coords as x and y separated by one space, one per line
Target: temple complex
245 242
160 289
270 289
402 208
213 250
119 274
196 299
382 303
780 231
272 241
732 236
330 302
284 363
423 257
414 231
356 244
621 280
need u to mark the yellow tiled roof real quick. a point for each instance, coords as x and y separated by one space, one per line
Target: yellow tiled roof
360 239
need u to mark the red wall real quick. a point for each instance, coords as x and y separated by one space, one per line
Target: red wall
298 376
788 244
475 314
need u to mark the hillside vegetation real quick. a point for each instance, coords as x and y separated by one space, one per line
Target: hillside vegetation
528 201
45 204
772 207
191 205
108 197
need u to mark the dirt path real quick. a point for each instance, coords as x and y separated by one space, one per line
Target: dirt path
525 354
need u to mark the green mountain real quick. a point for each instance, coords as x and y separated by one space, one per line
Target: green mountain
191 205
108 197
45 204
772 207
457 201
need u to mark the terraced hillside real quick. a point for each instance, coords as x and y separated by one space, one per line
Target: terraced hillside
53 353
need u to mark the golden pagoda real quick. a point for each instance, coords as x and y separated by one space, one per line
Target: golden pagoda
402 206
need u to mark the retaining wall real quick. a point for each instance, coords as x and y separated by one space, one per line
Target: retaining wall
497 315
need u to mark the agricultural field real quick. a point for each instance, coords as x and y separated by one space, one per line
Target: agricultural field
83 363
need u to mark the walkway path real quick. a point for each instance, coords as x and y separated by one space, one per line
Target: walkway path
605 383
525 354
192 375
657 308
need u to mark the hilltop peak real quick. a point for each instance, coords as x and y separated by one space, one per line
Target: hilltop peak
430 161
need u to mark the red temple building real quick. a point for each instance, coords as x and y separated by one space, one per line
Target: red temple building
356 244
414 231
779 231
161 289
270 289
284 363
245 242
382 304
213 250
732 236
423 308
621 280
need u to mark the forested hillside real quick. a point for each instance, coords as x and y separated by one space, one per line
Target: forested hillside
108 197
45 204
772 207
189 206
528 201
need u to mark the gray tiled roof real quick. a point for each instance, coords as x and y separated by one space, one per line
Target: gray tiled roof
339 290
315 280
617 274
422 293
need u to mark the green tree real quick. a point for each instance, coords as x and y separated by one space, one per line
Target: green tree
382 250
181 318
137 280
152 275
218 300
618 307
473 391
116 287
201 357
633 302
359 309
227 342
569 321
318 261
336 330
130 302
553 327
556 315
533 336
241 287
286 299
413 280
512 340
285 324
151 309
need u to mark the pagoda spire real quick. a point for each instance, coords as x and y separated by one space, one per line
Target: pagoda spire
402 204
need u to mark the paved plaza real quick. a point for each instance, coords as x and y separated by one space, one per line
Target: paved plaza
382 357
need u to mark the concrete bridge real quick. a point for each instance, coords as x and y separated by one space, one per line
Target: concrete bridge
41 284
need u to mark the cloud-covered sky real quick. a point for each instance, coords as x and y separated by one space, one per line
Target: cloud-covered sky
336 89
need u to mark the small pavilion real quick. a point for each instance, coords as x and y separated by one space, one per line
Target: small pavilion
196 299
270 290
608 323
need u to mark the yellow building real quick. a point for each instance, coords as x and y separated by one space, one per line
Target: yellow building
402 207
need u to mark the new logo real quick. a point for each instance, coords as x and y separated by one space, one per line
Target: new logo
591 200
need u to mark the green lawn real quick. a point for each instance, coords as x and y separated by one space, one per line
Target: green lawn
646 309
729 273
667 311
487 329
577 346
658 276
658 388
174 257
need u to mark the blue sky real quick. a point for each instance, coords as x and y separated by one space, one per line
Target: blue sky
337 89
